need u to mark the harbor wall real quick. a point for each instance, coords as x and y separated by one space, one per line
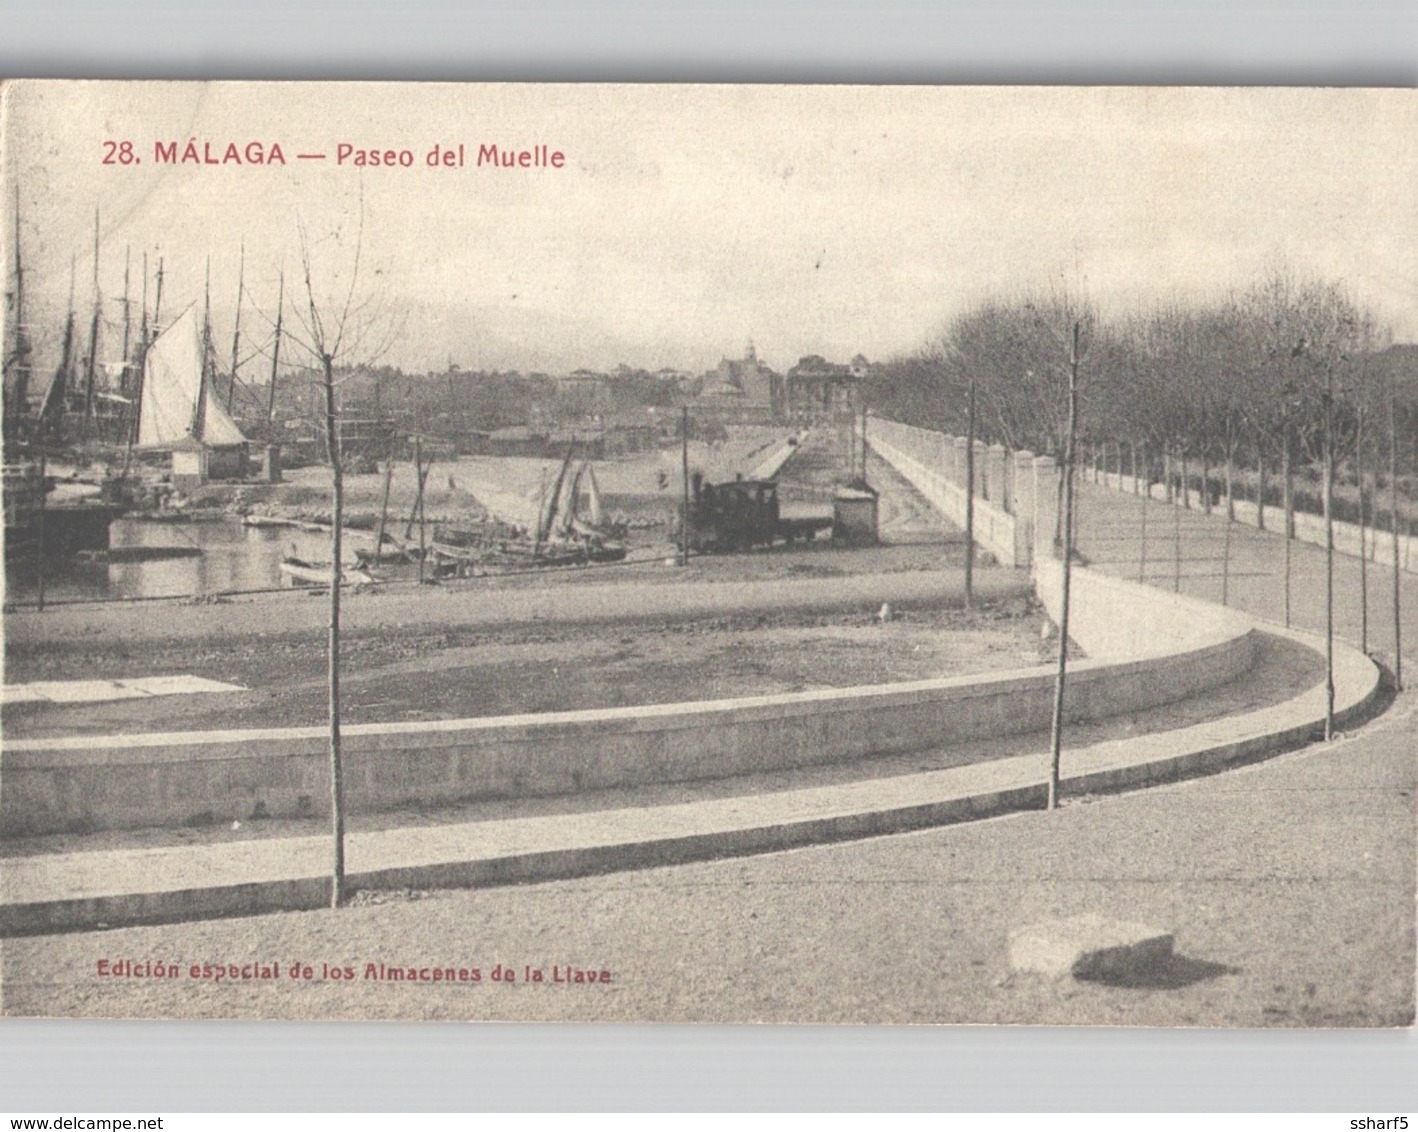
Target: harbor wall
934 464
1008 496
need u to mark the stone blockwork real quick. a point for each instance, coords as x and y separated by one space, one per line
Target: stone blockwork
133 781
1091 947
1112 618
934 465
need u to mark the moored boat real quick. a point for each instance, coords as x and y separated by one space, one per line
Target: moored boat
303 572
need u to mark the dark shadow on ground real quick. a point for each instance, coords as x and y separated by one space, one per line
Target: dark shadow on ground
1172 973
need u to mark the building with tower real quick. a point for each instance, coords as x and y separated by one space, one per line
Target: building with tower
744 391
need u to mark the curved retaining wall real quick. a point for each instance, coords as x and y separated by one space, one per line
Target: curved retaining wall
135 781
1113 618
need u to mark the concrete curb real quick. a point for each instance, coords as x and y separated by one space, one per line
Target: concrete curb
256 877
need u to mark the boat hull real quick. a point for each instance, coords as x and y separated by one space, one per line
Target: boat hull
304 573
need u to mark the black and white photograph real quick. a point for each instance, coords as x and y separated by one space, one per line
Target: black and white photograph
710 553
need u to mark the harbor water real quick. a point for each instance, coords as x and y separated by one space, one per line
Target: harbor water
208 557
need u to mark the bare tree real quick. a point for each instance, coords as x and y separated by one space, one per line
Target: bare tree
1172 356
1061 332
1393 526
1070 440
333 333
1273 335
1225 387
1331 337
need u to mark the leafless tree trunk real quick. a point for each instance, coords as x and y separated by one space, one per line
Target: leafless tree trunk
684 487
1146 480
1363 532
1230 520
384 509
1262 483
1329 553
1230 485
1177 535
328 335
337 515
1056 727
1058 515
420 479
1226 564
422 506
1288 505
1393 526
970 500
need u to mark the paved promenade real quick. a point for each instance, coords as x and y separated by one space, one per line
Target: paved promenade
1110 531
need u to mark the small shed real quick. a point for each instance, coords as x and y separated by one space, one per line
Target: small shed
854 514
195 463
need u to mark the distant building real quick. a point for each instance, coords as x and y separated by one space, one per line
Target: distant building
820 391
584 443
586 382
517 440
744 391
681 378
583 390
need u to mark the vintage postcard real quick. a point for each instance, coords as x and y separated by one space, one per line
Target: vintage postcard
709 553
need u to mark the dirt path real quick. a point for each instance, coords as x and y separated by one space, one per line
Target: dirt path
476 670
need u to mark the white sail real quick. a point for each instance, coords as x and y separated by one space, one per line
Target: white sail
173 374
594 514
571 500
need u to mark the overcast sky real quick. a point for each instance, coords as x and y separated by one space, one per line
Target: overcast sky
687 220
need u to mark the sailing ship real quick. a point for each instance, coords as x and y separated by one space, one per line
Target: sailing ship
17 361
178 411
570 529
568 533
34 525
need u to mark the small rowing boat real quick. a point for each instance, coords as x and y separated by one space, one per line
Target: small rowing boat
306 573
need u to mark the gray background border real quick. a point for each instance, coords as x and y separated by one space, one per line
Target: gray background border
71 1066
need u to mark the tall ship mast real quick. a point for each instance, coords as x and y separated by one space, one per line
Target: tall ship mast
18 362
52 409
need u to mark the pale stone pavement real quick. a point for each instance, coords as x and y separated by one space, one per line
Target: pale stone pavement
1109 536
